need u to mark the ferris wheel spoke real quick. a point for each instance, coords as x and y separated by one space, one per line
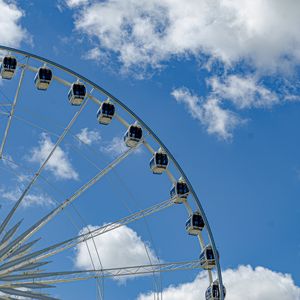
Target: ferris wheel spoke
41 168
22 251
32 258
4 113
14 245
9 234
12 111
71 276
25 293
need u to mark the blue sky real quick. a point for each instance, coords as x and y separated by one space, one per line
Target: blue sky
218 81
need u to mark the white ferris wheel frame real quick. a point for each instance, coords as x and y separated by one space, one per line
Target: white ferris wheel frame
81 275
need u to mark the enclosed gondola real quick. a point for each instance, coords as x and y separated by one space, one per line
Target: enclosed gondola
106 112
194 224
213 291
159 162
77 93
8 67
43 78
179 191
207 258
133 135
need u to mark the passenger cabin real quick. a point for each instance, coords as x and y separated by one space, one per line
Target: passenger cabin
194 224
207 258
8 67
159 162
105 112
213 291
179 191
77 93
133 135
43 78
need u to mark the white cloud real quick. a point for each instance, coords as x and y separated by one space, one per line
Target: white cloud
76 3
115 147
243 92
217 120
121 247
9 161
32 199
96 54
59 163
143 32
88 137
244 283
19 184
11 32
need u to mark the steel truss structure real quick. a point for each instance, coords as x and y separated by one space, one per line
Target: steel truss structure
19 264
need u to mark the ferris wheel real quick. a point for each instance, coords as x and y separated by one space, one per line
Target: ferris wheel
27 245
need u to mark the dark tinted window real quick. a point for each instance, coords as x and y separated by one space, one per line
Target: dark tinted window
209 254
79 89
135 132
45 74
216 291
9 62
161 159
182 188
198 221
108 109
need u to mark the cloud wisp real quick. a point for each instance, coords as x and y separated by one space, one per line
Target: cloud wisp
243 92
13 190
216 120
88 137
30 200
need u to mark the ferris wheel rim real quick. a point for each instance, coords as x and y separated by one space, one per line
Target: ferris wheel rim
151 133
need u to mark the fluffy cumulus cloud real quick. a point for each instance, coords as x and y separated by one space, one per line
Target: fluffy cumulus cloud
264 32
121 247
261 35
242 283
59 164
217 120
88 137
11 32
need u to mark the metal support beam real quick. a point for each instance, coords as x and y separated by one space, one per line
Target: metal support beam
12 111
